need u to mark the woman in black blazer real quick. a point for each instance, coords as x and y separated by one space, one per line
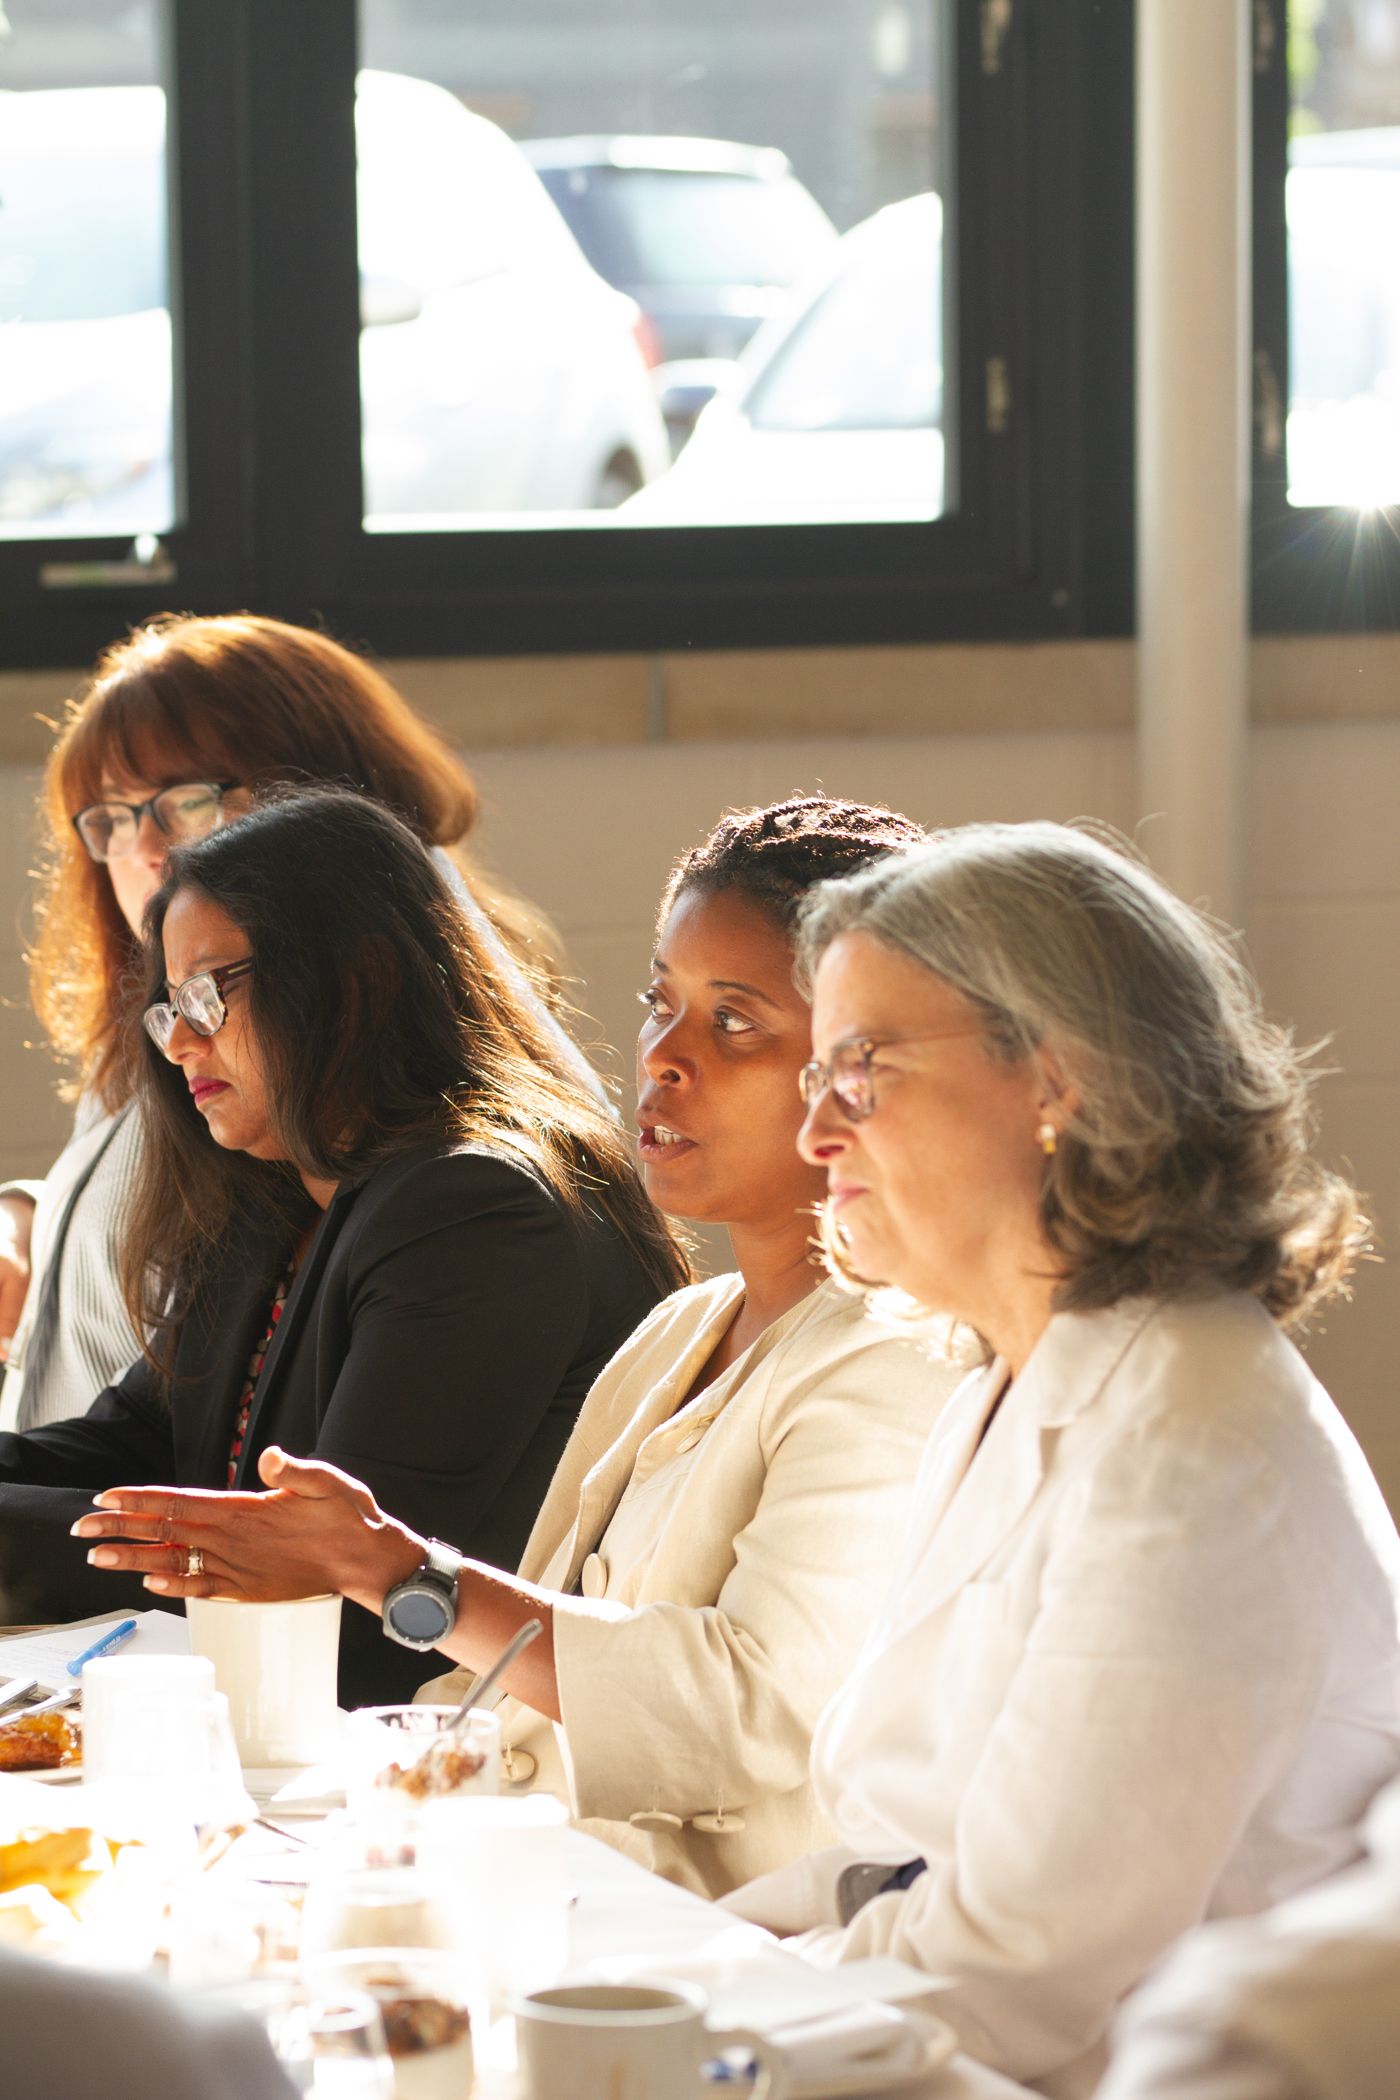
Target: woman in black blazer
380 1220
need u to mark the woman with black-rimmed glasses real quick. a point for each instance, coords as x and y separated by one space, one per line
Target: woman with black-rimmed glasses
179 724
377 1218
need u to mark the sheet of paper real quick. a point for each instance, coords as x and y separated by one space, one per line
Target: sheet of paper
765 1987
765 1994
47 1653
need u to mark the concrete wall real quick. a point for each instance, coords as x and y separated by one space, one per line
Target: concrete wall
595 773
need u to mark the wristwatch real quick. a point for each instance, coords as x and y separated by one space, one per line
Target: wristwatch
422 1611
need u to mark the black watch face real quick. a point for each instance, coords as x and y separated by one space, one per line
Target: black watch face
421 1615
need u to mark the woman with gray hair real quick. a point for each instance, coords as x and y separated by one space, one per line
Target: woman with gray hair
1140 1664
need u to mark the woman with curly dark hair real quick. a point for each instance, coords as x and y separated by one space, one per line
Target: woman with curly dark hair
713 1544
377 1218
1140 1664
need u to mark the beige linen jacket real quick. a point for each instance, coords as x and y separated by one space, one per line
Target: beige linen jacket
1140 1667
690 1679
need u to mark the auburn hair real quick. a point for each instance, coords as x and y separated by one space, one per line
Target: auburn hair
235 698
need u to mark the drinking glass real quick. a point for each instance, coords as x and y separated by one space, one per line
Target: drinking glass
386 1744
142 1718
425 2000
157 1734
390 1905
328 2037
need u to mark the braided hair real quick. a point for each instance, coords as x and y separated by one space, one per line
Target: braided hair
774 856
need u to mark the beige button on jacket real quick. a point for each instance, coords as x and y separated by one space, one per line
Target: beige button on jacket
693 1666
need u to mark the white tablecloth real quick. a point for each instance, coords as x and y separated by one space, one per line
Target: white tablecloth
625 1922
627 1918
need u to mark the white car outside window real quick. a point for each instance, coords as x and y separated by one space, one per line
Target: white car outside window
499 373
838 412
515 381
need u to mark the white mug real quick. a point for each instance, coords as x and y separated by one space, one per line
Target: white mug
627 2041
277 1665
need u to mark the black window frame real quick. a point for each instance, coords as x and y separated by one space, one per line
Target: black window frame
1315 569
262 113
203 55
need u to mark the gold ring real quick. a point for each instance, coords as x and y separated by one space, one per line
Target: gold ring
194 1561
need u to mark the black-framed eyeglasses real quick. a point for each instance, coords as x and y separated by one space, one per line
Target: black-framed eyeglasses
199 1001
849 1076
186 811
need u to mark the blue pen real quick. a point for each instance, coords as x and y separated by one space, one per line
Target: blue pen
119 1633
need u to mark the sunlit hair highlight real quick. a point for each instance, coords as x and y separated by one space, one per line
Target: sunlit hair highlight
381 1021
774 855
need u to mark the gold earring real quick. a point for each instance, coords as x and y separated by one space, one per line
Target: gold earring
1049 1138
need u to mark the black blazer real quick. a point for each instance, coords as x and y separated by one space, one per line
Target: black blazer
437 1343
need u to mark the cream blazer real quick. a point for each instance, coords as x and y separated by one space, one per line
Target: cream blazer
1140 1667
690 1677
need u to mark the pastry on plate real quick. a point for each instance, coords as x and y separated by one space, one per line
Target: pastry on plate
39 1742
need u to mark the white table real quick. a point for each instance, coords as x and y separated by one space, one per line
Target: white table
625 1916
626 1921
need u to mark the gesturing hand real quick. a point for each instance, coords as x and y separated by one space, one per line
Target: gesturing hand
315 1529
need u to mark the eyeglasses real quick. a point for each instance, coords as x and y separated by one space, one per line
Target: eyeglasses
186 811
199 1001
850 1078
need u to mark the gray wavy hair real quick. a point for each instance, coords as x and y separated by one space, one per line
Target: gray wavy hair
1186 1163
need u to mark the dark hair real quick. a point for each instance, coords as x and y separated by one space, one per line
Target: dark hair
236 698
773 856
382 1021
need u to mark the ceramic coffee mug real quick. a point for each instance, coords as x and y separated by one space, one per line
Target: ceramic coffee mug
627 2041
276 1663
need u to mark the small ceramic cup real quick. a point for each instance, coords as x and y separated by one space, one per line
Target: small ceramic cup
628 2041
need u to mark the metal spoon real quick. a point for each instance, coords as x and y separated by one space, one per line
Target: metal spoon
478 1690
68 1697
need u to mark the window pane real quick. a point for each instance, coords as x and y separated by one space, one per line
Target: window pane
642 262
1343 253
85 355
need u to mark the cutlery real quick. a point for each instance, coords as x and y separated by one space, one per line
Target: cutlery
293 1837
67 1697
480 1687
